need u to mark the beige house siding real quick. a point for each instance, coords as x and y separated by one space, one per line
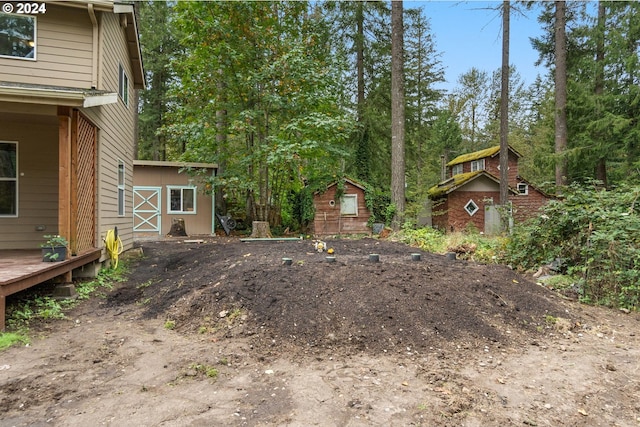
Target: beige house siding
63 51
37 179
115 136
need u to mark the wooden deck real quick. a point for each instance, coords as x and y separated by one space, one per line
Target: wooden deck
22 269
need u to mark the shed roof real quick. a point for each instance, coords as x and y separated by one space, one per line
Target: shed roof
477 155
161 163
457 181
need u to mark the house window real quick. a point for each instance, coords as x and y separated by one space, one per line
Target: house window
456 169
181 200
121 180
471 207
477 165
349 205
523 189
18 35
8 178
123 85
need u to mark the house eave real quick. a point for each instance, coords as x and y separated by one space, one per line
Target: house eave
159 163
69 97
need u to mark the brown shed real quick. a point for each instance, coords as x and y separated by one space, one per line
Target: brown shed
472 188
163 191
345 215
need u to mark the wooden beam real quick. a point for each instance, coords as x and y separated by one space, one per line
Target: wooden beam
73 186
64 171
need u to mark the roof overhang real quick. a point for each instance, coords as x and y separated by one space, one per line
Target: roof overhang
454 183
54 95
133 43
159 163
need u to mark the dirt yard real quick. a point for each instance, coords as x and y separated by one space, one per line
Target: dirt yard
222 333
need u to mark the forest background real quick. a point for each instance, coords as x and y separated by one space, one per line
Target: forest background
288 97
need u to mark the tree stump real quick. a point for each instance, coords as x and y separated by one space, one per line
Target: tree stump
177 227
260 229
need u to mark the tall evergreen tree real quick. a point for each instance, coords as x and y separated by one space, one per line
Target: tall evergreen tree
159 46
397 114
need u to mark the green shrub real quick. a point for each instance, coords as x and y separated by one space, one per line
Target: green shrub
596 234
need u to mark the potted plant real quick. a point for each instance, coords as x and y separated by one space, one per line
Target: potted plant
54 249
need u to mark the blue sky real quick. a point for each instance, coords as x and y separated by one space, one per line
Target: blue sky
469 34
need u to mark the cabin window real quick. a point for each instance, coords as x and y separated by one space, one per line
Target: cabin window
8 178
121 181
456 169
17 35
123 85
523 189
471 207
182 200
477 165
349 205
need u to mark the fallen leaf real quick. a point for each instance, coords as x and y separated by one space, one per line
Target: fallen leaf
515 281
582 412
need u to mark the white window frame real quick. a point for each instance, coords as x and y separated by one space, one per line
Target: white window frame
182 211
13 179
477 165
472 203
123 85
121 181
343 205
456 169
523 188
34 41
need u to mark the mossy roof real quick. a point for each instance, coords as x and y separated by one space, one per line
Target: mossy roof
452 183
457 181
477 155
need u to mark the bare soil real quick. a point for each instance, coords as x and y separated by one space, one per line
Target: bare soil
224 333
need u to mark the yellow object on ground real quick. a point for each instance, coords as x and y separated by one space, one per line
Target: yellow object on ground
114 246
330 251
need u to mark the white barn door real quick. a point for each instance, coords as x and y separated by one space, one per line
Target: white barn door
146 209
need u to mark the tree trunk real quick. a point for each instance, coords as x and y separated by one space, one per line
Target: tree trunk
177 227
397 114
601 166
260 229
561 94
504 108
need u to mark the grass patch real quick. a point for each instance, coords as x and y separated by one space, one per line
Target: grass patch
8 339
170 324
39 305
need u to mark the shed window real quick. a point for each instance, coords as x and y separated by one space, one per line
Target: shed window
523 189
471 207
8 178
121 182
456 169
349 205
18 35
182 200
477 165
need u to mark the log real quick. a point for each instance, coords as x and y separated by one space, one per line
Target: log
260 229
177 227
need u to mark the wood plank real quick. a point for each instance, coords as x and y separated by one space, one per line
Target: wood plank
22 269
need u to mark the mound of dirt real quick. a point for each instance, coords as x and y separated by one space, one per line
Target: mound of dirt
230 288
